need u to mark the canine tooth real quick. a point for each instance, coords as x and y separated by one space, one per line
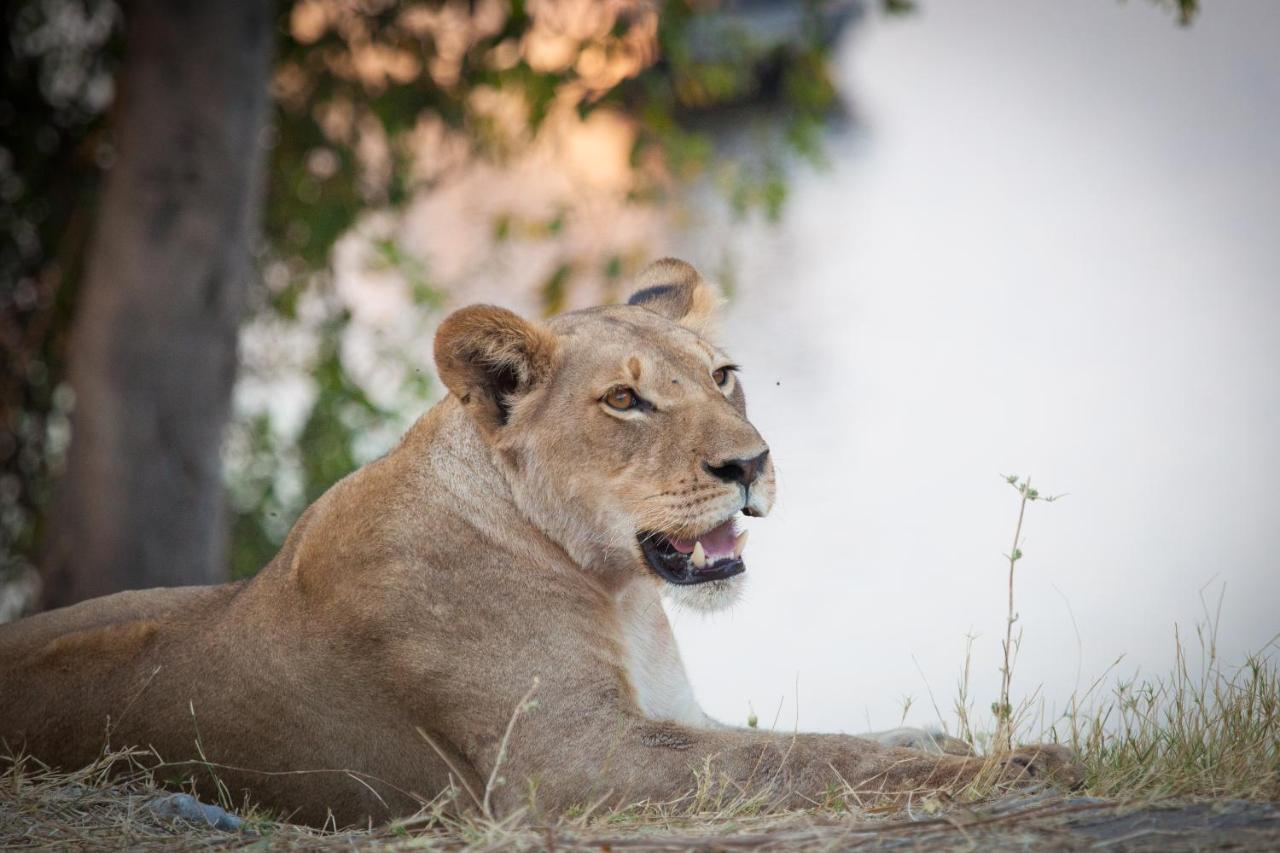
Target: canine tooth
699 556
739 543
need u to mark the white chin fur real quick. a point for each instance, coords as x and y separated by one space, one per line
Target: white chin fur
706 597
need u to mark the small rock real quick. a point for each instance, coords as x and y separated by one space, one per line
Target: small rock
187 807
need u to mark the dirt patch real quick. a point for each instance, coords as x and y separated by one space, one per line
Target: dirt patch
1041 823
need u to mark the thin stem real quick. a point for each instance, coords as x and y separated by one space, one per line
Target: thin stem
1006 680
524 705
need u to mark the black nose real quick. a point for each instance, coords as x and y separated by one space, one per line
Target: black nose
744 471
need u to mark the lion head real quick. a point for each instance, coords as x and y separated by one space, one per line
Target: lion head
621 430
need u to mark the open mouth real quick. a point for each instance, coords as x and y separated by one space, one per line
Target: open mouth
711 556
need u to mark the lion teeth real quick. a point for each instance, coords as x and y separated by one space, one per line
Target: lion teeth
699 556
739 543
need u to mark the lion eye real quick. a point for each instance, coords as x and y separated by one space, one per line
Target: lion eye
721 375
621 399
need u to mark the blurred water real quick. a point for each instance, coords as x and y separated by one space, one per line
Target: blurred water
1053 248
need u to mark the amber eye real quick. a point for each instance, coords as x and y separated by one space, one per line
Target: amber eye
621 398
721 375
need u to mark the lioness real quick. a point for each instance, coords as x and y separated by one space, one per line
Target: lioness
522 530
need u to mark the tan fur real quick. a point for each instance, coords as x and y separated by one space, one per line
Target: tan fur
377 660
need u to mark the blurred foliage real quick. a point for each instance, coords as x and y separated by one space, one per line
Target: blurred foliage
1185 9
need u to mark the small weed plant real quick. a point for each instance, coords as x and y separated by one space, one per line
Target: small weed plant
1206 729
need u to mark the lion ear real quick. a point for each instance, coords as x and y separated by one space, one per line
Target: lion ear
489 357
674 289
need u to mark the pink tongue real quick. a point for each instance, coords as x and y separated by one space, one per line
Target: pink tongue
717 543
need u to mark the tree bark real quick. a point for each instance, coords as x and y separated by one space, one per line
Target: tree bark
153 349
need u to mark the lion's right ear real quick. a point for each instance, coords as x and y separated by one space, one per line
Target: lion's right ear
673 288
488 357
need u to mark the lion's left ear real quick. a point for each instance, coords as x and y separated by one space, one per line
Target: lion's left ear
489 357
674 289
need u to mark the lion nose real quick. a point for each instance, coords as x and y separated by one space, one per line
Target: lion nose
744 471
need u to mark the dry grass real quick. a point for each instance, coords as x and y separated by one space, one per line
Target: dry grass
112 803
1205 729
109 805
1210 730
1203 732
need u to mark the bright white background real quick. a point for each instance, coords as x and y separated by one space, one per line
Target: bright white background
1051 246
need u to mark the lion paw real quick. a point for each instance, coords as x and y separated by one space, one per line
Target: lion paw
1049 762
933 742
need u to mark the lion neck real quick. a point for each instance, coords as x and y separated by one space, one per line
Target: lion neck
452 460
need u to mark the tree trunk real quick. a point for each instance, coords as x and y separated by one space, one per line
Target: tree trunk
153 348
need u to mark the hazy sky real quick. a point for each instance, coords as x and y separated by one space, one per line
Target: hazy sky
1051 247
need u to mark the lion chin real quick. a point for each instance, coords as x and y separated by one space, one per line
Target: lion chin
708 597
